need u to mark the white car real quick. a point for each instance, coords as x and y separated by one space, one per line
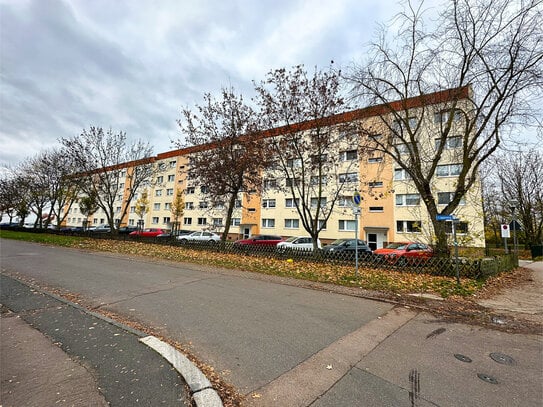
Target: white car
208 237
304 243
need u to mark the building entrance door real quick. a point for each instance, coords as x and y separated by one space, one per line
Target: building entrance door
372 241
246 233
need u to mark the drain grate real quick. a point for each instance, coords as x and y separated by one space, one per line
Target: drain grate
503 359
487 378
462 358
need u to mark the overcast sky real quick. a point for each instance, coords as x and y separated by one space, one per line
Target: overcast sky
132 65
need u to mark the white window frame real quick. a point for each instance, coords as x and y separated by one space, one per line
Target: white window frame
268 223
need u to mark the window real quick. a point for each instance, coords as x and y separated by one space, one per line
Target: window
218 205
187 221
155 220
156 206
292 223
292 182
121 185
171 178
399 125
344 201
217 222
237 204
448 170
461 228
172 164
166 220
294 163
376 209
251 209
95 221
291 202
189 190
202 221
375 184
167 206
407 199
132 209
270 183
408 226
450 143
347 225
131 222
315 201
160 179
158 192
401 175
444 198
189 205
268 203
348 155
319 159
120 197
204 189
348 177
202 204
169 192
268 223
375 160
235 221
316 179
443 117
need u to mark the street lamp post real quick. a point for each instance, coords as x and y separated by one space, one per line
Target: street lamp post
513 208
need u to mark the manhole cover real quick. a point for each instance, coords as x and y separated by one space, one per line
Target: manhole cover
487 378
503 359
462 358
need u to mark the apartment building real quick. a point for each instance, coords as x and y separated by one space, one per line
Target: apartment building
391 208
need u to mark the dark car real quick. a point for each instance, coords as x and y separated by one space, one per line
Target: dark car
345 249
101 229
260 240
125 230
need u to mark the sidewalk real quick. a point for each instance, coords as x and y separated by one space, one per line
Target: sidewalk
54 353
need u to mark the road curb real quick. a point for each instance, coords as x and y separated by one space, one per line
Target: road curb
202 391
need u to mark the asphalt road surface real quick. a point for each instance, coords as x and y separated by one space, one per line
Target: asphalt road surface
285 345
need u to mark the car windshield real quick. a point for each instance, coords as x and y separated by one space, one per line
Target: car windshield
399 246
337 242
291 239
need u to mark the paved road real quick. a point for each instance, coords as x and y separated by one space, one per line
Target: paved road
289 346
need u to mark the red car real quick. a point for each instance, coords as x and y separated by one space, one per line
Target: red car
260 240
150 232
405 252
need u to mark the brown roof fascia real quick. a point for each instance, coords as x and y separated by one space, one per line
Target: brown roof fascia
346 117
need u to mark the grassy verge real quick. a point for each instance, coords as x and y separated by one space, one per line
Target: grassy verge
371 279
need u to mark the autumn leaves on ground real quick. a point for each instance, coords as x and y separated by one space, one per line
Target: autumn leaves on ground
390 281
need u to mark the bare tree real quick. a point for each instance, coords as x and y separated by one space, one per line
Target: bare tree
177 208
228 158
520 176
111 168
484 61
301 108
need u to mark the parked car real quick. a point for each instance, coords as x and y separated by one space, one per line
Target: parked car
125 230
149 232
405 252
302 243
260 240
175 234
102 229
208 237
345 249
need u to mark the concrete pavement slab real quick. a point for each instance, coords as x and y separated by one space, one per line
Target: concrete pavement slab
426 347
34 372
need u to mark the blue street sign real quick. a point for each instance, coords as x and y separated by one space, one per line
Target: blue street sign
357 198
445 217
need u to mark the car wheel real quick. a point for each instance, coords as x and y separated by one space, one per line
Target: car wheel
183 241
